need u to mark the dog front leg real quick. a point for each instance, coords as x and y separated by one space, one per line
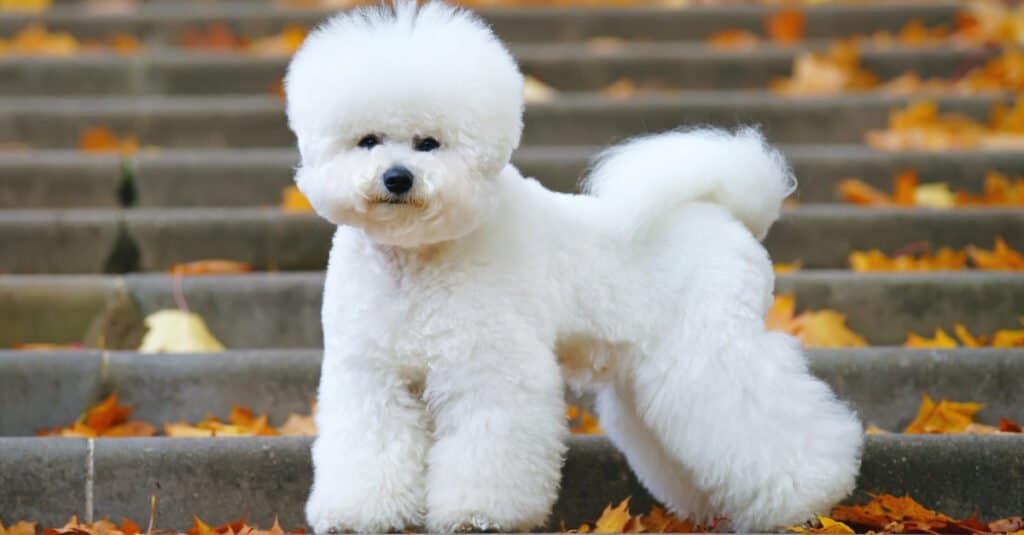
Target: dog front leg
369 457
500 431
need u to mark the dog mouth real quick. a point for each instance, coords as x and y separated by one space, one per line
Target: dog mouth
396 201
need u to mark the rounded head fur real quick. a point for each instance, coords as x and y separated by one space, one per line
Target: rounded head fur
405 114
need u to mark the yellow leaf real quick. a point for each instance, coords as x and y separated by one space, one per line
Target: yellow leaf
788 267
613 520
941 340
292 200
875 430
19 528
826 328
184 429
535 90
827 526
965 336
177 331
943 417
936 195
30 6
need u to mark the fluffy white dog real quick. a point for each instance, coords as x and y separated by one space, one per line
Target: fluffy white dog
460 296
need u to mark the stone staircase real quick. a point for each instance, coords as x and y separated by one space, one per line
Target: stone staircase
86 237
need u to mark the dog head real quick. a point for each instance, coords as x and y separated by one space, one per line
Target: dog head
405 115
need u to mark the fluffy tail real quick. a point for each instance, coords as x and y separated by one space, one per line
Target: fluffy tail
651 175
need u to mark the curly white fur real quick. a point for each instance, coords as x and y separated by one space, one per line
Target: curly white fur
454 313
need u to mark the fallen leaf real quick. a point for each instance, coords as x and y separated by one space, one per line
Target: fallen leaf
920 126
939 341
786 27
613 520
292 200
108 418
101 139
19 528
789 267
874 260
582 422
825 525
884 509
28 6
826 74
37 40
210 267
48 347
282 44
943 417
1000 258
177 331
535 90
733 39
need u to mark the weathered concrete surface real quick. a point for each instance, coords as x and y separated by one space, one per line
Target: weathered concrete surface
57 241
50 309
43 390
59 179
282 310
255 176
957 475
576 119
43 479
564 66
163 23
819 236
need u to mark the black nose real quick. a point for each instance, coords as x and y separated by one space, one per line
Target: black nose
398 180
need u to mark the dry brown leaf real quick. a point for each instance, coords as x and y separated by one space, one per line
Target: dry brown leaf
213 266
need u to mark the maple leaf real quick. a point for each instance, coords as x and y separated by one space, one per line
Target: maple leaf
826 74
946 259
786 27
943 417
1000 258
613 520
216 37
885 509
108 418
177 331
37 40
211 266
101 139
19 528
282 44
825 525
940 340
789 267
292 200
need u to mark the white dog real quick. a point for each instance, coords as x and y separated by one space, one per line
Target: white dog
460 296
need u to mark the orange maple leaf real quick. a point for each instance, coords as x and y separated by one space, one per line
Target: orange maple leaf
786 27
211 266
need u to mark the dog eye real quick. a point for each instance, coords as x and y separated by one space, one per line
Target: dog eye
369 141
427 144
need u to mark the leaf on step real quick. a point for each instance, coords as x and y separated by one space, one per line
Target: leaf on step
19 528
582 422
101 139
939 341
826 74
613 519
292 200
946 259
945 417
107 418
1000 258
786 27
177 331
787 267
733 39
920 126
281 44
820 329
535 90
825 525
212 266
26 6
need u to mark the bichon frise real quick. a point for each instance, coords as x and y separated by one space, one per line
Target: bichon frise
460 296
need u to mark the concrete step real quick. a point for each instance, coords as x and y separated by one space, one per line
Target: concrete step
164 23
282 310
573 119
567 67
220 479
253 177
46 390
148 239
